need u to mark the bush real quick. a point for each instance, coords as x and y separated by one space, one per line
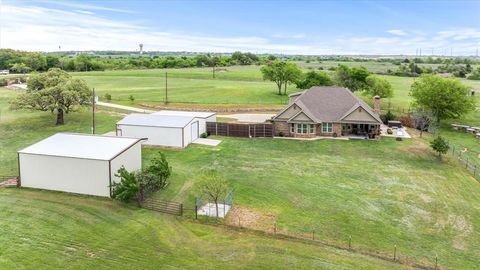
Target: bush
204 135
389 131
281 134
108 97
440 145
388 117
127 188
131 98
407 121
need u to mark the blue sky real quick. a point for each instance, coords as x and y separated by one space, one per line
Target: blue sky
290 27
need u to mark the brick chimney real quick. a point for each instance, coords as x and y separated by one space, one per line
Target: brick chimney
376 104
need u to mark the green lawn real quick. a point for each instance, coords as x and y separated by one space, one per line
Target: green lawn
47 230
381 193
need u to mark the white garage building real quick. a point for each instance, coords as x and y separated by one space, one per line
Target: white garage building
166 128
78 163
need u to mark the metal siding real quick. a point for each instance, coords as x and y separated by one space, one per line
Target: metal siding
156 135
131 159
83 176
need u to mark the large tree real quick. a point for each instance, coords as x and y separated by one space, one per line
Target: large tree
377 86
54 91
443 97
314 78
281 73
214 186
352 78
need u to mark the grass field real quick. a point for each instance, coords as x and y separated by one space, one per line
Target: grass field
47 230
381 193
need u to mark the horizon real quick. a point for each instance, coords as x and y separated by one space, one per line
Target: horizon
359 28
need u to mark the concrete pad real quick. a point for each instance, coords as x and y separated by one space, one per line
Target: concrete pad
249 117
209 142
210 209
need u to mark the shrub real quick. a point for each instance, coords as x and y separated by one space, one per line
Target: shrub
407 121
440 145
108 97
281 134
389 131
127 188
160 168
204 135
388 117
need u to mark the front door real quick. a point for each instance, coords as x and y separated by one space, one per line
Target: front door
194 128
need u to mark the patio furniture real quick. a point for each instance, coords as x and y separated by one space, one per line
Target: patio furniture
397 124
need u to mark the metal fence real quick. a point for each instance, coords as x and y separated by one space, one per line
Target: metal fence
168 207
207 207
240 130
473 168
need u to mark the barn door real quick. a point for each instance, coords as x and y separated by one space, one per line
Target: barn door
194 129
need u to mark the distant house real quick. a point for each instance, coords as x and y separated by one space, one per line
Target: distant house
327 111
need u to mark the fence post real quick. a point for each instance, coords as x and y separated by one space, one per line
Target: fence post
216 128
350 242
181 209
436 261
395 253
466 162
239 224
196 211
313 235
474 171
275 227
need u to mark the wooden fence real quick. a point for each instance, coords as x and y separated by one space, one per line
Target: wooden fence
169 207
240 130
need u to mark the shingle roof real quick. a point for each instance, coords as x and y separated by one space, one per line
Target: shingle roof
330 104
152 120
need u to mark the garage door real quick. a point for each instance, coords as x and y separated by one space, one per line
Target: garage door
194 129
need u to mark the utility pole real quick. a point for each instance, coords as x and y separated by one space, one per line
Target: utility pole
93 112
213 70
166 88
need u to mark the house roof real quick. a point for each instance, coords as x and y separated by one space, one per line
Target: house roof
81 146
330 104
185 113
152 120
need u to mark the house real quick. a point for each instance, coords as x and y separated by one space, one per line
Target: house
78 163
165 128
327 111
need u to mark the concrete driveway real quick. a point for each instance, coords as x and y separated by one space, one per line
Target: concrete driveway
249 117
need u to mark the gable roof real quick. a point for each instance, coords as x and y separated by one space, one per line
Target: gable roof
185 113
330 104
85 146
152 120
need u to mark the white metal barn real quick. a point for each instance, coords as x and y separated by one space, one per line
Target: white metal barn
78 163
165 128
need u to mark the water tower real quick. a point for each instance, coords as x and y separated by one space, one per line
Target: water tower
141 48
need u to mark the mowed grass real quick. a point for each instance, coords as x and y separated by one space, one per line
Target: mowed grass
381 194
232 85
47 230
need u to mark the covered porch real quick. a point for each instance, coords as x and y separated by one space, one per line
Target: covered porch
361 130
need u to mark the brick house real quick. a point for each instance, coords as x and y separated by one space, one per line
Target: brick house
328 111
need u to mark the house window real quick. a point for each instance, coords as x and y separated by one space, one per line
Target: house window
327 127
292 128
304 128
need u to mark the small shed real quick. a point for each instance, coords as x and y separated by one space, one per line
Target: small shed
78 163
166 128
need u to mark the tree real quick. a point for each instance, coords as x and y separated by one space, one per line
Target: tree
54 91
35 61
161 170
422 119
377 86
214 186
443 97
440 145
313 78
127 188
281 73
20 68
352 78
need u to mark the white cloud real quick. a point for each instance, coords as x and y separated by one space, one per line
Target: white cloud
44 29
397 32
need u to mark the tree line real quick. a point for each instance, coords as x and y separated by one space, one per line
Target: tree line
24 62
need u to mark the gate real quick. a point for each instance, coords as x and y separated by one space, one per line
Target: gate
169 207
240 130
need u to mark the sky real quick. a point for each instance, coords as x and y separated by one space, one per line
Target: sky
281 27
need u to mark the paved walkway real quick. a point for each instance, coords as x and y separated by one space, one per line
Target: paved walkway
249 117
209 142
122 107
9 183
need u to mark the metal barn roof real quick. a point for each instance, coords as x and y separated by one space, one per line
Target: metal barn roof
185 113
152 120
81 146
